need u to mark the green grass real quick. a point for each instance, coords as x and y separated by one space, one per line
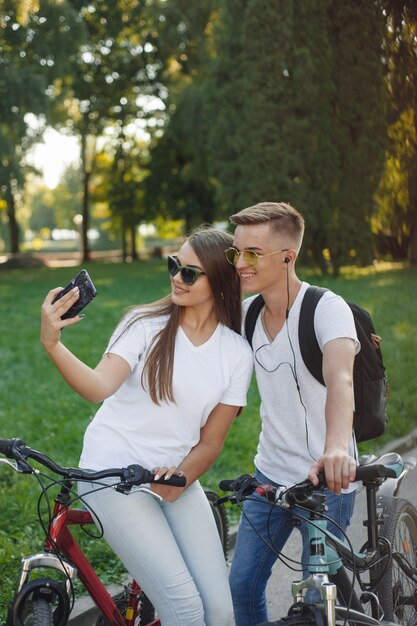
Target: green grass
37 406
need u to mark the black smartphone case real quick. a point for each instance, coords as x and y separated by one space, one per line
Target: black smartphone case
87 293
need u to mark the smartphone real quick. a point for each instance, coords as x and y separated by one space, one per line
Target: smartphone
87 293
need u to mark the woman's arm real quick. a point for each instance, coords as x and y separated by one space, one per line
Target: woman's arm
92 384
203 455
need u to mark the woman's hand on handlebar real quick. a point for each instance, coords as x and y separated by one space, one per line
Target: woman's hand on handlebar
51 322
168 493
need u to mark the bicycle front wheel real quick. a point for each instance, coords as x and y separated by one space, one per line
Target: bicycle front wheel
37 613
221 518
40 602
398 592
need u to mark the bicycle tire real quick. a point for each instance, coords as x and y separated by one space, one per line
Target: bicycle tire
147 610
221 519
400 529
37 613
32 594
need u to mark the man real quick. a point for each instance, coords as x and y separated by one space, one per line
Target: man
306 427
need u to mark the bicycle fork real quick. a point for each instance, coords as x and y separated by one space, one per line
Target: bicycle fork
50 590
325 589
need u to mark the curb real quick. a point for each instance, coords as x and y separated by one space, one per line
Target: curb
85 612
403 444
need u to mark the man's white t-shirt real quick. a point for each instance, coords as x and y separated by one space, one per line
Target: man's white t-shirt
129 428
293 420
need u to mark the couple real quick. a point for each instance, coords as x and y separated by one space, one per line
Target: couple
173 378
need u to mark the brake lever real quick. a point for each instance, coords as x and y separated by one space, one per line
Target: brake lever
20 466
223 500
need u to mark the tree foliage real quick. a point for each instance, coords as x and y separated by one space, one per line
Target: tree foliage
119 187
294 83
35 48
398 192
114 71
55 208
180 185
239 100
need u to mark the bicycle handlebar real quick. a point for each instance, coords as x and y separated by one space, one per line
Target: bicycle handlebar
131 475
302 494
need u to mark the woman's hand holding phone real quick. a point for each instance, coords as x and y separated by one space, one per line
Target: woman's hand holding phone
51 315
62 307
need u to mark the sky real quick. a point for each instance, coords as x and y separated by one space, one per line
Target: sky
54 155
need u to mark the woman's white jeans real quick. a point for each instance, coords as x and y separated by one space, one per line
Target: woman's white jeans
173 550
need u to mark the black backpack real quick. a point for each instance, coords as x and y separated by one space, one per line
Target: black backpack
370 383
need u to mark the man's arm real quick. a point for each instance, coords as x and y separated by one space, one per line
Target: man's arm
339 467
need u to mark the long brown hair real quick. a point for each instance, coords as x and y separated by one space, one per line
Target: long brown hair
209 245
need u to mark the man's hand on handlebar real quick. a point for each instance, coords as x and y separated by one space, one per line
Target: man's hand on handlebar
339 469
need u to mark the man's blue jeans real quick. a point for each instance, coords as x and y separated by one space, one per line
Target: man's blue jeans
253 559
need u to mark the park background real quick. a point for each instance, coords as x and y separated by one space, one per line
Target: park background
182 113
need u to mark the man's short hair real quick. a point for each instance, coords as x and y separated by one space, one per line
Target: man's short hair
282 217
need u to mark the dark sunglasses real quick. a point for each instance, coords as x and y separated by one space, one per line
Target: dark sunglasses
188 274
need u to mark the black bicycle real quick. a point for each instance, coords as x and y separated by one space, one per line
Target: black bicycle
375 585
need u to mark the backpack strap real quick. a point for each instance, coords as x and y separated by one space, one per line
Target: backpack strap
309 347
252 315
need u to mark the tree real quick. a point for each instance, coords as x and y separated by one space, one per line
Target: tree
35 51
293 84
116 68
119 185
179 185
401 158
55 208
356 36
225 105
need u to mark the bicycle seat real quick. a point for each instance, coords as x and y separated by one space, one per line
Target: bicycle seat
389 458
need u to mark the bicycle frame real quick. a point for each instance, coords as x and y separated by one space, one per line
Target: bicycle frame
75 564
325 562
331 559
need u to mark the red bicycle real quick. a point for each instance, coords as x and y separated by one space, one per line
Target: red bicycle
48 600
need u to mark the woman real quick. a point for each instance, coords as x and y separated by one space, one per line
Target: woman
173 378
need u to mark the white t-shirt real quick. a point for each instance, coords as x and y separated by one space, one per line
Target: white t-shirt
293 422
129 428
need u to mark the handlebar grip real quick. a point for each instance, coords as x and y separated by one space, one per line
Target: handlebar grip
174 481
7 447
372 472
244 485
227 485
138 475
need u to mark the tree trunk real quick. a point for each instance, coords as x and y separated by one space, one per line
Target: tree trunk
134 251
412 194
320 260
86 219
85 250
124 244
13 225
